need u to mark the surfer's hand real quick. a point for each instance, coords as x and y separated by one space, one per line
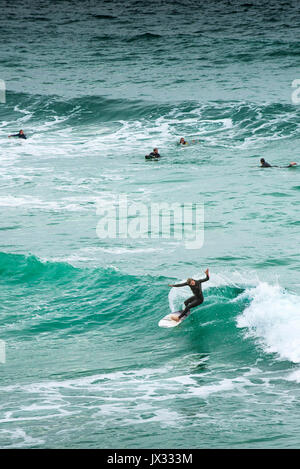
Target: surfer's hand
170 285
207 272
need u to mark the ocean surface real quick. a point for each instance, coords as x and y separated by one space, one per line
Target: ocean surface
95 86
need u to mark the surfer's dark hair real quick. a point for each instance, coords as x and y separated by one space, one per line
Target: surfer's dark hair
189 280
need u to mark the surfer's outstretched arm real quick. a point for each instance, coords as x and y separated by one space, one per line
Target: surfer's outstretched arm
179 285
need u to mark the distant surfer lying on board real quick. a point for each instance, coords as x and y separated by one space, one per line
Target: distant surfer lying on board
264 164
20 134
196 299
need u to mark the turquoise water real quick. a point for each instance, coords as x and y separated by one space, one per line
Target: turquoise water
95 87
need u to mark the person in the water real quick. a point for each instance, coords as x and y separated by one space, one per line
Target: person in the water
19 135
153 155
193 301
264 164
182 141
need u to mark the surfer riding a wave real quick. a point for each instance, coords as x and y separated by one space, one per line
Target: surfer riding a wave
193 301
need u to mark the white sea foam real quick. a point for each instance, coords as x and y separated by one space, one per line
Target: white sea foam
20 439
294 376
224 385
72 204
273 318
11 201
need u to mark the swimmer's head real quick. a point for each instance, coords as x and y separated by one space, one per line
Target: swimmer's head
155 150
262 160
182 140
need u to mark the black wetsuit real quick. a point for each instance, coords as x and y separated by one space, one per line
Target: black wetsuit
19 135
194 300
267 165
152 156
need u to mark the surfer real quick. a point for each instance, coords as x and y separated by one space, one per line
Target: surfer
264 164
182 141
153 155
196 299
20 134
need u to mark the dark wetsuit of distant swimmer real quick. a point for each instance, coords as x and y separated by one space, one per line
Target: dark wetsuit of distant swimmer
19 135
196 299
153 155
264 164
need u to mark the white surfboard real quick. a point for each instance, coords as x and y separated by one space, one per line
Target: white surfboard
168 322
